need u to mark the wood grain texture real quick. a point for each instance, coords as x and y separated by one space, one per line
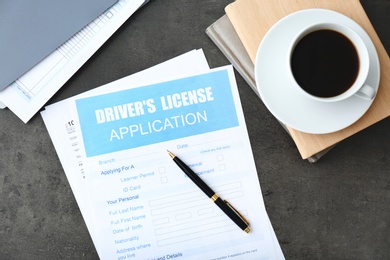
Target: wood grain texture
253 18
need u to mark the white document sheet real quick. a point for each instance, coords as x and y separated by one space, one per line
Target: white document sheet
30 92
136 202
60 123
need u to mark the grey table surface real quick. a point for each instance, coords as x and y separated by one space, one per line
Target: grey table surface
336 208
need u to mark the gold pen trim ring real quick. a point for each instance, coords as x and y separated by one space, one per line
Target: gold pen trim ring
214 197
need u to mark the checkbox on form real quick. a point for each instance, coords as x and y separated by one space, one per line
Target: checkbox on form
220 157
164 180
222 167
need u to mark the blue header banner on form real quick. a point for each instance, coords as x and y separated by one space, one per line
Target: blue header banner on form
156 113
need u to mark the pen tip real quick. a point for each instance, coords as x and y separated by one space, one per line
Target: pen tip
171 154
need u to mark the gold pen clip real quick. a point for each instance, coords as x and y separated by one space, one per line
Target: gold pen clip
238 213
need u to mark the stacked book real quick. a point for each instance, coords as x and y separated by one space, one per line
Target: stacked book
239 33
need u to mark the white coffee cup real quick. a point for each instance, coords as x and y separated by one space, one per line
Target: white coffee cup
358 87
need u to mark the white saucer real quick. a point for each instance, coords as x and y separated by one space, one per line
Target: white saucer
287 103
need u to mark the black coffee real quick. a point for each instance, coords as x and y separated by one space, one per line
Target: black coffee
325 63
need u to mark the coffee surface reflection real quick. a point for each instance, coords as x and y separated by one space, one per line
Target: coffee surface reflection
325 63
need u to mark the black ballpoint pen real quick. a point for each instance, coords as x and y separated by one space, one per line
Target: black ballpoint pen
224 205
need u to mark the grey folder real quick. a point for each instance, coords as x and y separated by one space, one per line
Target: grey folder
30 30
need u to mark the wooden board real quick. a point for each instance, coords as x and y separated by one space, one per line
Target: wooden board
253 18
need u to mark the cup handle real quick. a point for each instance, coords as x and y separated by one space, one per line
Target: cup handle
366 92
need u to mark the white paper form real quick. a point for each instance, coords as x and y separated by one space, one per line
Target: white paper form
31 91
193 228
60 122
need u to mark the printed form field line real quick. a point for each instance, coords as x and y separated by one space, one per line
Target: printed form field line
183 197
197 232
191 215
146 155
211 142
